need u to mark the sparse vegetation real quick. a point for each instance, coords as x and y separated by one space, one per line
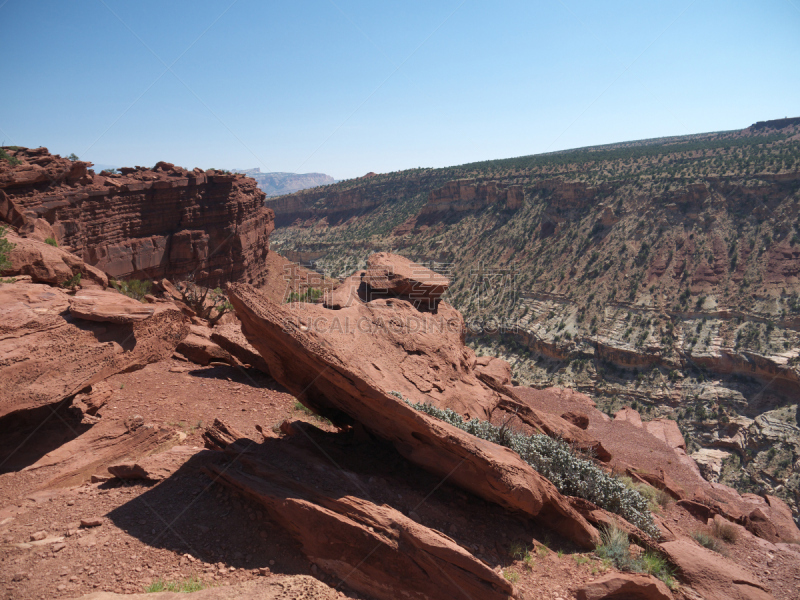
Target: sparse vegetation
133 288
51 242
5 249
556 461
192 584
209 304
615 547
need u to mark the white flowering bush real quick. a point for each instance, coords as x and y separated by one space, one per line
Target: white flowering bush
555 460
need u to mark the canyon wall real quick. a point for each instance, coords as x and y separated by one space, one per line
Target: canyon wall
143 223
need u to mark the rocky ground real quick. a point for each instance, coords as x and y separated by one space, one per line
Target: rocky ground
187 528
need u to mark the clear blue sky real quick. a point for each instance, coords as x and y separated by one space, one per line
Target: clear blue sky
345 87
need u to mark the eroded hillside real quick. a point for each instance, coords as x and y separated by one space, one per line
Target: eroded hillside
661 274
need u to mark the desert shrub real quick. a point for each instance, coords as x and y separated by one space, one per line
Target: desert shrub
727 532
5 248
51 242
209 304
73 282
13 160
133 288
707 541
555 460
615 546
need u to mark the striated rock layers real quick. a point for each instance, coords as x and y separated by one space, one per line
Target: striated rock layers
466 194
53 345
143 223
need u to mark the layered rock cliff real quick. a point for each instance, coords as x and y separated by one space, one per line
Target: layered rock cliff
143 223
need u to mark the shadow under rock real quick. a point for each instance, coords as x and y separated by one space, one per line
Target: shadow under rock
28 435
190 513
249 376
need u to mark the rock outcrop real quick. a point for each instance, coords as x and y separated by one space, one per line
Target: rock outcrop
711 575
143 223
467 194
47 353
358 363
631 586
376 549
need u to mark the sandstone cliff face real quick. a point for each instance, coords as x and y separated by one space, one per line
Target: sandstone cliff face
466 194
144 223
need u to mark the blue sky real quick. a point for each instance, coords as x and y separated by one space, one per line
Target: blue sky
345 87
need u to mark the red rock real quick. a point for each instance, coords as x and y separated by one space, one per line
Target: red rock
166 222
632 586
667 430
379 551
199 349
494 372
580 420
92 400
48 355
349 360
91 522
230 338
394 275
47 264
630 415
711 575
109 306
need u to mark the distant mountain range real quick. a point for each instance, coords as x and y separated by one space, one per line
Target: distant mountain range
277 184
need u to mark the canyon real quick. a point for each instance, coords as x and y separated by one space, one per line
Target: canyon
659 274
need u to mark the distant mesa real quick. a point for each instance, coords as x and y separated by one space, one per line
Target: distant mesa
278 184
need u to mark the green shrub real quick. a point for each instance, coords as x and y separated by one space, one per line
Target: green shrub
13 160
72 282
51 242
615 546
133 288
5 249
556 461
707 541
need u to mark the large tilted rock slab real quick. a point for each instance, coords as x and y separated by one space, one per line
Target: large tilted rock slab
374 548
349 361
108 306
47 354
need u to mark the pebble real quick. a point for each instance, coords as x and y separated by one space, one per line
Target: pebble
39 535
91 522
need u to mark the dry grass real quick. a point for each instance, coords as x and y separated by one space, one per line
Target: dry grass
727 532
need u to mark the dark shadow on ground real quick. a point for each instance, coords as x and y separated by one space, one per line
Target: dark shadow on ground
190 513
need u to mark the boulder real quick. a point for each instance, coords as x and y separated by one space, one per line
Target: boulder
230 338
580 420
109 306
711 575
48 355
156 467
394 275
630 415
93 399
627 586
47 264
199 349
494 372
355 363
